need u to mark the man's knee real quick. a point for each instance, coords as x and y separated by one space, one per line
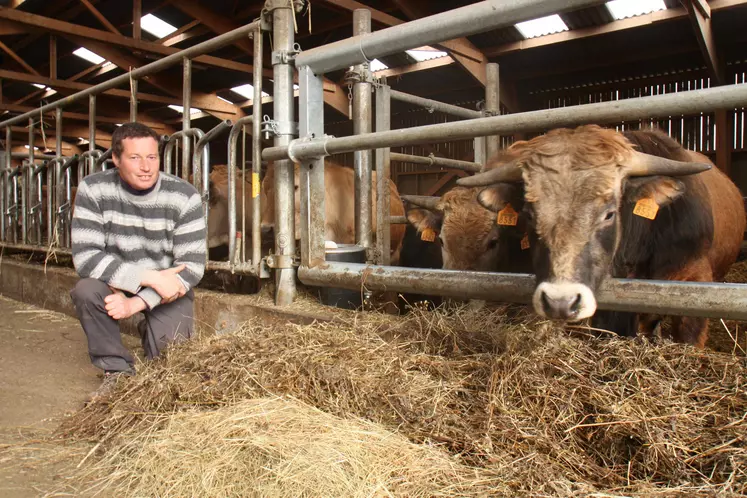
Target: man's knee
89 290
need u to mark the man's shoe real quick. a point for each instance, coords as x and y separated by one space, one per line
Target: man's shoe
107 386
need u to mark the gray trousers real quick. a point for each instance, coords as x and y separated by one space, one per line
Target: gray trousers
163 324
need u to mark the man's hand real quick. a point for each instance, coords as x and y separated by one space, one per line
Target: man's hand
166 283
120 307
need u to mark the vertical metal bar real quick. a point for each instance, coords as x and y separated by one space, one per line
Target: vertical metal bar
362 124
480 150
39 218
6 172
311 123
492 105
383 203
133 100
285 240
59 187
87 167
24 182
186 115
256 153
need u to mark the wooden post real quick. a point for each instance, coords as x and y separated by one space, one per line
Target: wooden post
52 57
724 141
137 13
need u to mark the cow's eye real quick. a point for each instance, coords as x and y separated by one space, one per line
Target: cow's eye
609 215
492 243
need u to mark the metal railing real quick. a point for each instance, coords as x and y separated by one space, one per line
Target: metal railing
722 300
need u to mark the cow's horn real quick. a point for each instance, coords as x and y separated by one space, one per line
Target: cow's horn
642 164
509 172
425 201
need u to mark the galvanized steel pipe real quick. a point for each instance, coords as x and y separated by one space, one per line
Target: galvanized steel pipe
362 124
136 74
233 138
256 154
464 21
452 110
492 105
722 97
437 161
383 171
711 300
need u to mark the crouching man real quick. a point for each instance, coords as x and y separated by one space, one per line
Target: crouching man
138 243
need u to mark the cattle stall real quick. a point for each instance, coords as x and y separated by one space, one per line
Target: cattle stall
307 146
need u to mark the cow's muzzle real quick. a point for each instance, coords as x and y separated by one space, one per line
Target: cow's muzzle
567 301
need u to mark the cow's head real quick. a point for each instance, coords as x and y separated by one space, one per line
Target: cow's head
217 222
468 234
575 182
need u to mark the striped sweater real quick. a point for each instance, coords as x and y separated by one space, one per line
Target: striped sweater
117 235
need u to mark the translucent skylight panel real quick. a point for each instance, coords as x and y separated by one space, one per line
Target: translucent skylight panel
425 55
542 26
155 26
377 65
247 91
225 100
620 9
86 54
180 109
37 85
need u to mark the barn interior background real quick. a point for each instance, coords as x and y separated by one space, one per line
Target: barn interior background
52 48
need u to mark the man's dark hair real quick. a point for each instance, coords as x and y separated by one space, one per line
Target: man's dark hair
131 130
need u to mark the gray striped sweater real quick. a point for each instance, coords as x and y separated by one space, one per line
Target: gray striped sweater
117 235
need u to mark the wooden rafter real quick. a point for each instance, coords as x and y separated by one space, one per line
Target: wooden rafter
413 68
137 14
18 59
98 15
179 31
53 57
706 41
67 28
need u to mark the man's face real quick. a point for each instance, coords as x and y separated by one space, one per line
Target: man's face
138 165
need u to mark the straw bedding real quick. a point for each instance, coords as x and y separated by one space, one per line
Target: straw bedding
487 402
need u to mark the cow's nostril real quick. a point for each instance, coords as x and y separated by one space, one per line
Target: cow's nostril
545 302
576 304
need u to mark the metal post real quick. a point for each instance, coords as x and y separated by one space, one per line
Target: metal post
86 167
432 160
24 182
361 125
233 138
311 106
285 240
492 105
133 99
435 105
256 153
59 187
5 198
186 121
383 206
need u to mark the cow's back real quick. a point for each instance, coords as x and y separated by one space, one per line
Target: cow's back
710 218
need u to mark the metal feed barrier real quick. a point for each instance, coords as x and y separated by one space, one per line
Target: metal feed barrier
308 146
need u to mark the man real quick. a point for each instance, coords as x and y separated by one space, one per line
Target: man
138 241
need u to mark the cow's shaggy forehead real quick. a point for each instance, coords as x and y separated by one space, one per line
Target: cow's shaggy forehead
464 217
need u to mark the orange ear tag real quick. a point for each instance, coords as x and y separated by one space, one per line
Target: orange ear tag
507 216
646 208
255 185
525 242
428 235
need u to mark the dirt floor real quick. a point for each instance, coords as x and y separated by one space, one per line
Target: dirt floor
44 373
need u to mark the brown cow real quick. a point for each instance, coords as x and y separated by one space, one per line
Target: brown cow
217 222
469 237
583 186
339 206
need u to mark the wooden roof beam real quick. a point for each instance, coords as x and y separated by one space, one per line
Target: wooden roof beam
98 15
706 41
67 28
18 59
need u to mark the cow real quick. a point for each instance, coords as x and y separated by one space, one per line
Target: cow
419 253
339 206
606 204
470 236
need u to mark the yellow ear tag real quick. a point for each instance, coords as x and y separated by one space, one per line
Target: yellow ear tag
525 242
646 208
428 235
507 216
255 185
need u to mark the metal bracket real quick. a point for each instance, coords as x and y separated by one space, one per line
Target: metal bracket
364 75
272 128
285 56
271 5
281 261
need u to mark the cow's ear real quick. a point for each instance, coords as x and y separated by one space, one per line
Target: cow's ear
663 189
424 219
495 197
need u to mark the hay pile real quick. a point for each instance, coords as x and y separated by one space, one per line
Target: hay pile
493 406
